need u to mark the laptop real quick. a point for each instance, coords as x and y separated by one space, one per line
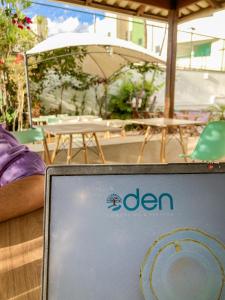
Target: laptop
134 232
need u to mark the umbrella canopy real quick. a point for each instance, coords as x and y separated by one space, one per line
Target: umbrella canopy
105 55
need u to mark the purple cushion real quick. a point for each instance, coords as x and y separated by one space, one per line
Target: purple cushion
16 160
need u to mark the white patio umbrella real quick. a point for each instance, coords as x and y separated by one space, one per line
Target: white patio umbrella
105 55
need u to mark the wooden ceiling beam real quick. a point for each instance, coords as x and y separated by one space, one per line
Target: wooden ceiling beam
161 4
206 12
165 4
214 3
156 3
88 2
116 9
141 10
184 3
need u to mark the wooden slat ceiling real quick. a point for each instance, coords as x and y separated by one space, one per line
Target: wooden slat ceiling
156 9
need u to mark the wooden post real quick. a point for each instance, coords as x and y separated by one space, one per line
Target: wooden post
171 63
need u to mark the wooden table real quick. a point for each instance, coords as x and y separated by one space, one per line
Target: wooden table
115 123
39 121
84 129
164 124
21 252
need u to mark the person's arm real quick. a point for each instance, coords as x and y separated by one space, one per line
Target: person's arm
21 196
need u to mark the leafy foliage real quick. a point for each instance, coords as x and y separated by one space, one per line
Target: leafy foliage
8 116
134 84
119 104
218 111
14 40
59 69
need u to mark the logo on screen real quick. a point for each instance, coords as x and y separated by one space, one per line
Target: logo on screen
134 201
114 202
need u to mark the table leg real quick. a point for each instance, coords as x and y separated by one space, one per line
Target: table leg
46 152
69 152
123 132
58 137
163 145
140 156
85 148
101 154
49 137
107 135
182 142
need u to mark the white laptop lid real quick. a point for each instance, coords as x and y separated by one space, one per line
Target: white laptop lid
135 232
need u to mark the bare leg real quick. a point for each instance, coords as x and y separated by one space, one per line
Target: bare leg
21 196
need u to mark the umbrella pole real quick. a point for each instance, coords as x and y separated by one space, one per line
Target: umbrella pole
29 104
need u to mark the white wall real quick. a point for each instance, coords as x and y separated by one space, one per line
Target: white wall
195 89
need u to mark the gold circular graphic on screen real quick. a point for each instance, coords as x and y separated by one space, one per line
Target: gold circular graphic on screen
185 261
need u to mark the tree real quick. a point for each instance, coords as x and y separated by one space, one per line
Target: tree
120 102
74 101
148 86
134 83
42 28
16 39
218 111
100 89
58 69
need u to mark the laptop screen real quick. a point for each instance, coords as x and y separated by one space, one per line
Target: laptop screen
134 233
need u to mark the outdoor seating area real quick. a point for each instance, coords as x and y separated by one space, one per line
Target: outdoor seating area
84 136
77 135
112 150
87 139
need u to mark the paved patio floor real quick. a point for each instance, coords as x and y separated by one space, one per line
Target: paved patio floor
118 149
